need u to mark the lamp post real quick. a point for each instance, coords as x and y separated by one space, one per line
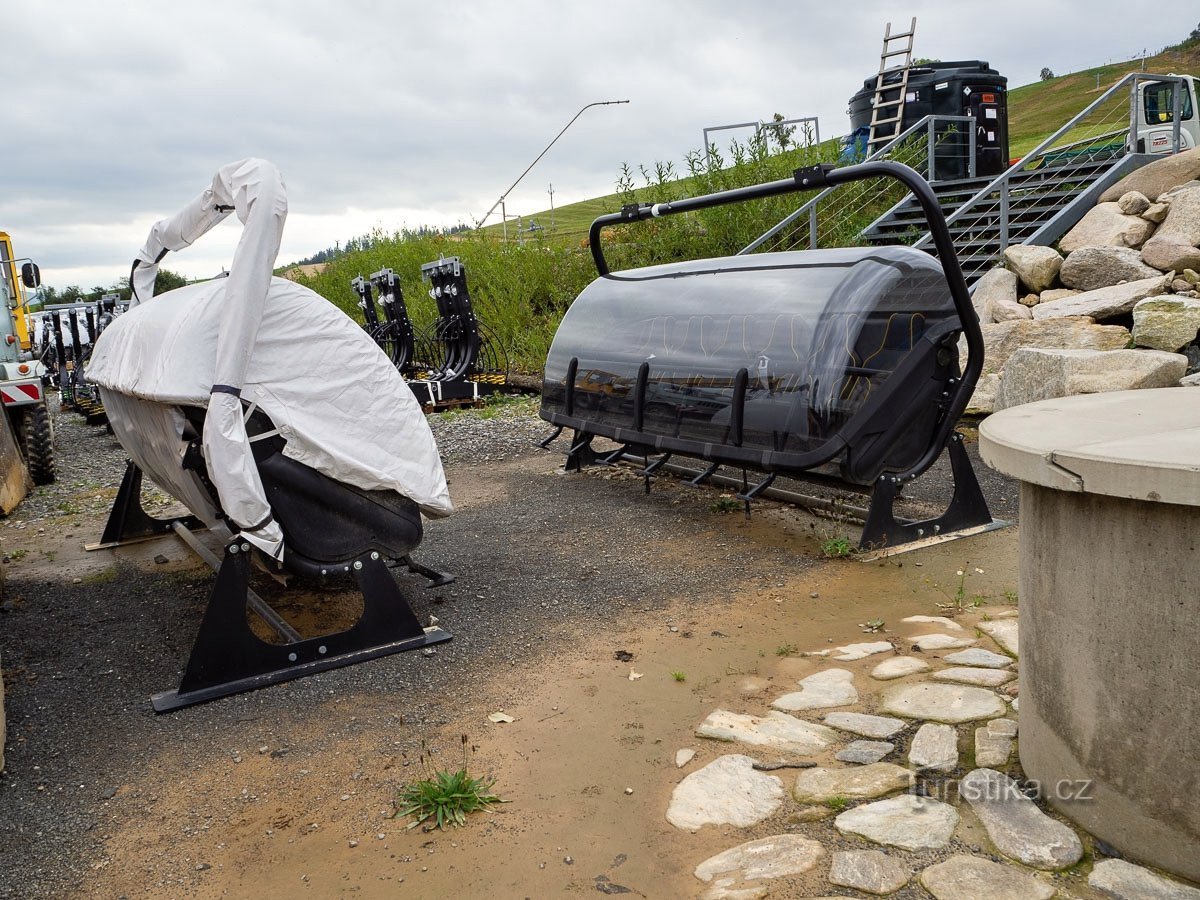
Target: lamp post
504 196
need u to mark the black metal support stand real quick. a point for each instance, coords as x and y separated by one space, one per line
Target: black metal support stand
228 658
129 522
967 509
581 453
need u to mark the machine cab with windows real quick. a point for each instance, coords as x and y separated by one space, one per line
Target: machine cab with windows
1156 117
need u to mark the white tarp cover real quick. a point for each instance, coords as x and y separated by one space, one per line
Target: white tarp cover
334 395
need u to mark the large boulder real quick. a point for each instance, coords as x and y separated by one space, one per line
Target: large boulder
1002 339
998 285
1037 267
1104 303
1182 223
1088 268
1005 310
1166 323
1104 225
1033 374
1157 177
1168 255
983 398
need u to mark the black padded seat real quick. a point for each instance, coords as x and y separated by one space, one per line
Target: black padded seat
326 524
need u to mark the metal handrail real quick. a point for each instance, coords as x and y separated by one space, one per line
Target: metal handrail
1001 182
926 122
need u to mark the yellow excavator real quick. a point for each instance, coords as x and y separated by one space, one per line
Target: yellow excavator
21 390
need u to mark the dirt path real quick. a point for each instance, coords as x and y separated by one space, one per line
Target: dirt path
289 789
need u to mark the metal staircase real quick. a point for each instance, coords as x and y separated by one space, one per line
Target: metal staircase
1035 201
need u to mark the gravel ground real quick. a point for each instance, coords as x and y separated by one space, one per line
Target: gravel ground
544 559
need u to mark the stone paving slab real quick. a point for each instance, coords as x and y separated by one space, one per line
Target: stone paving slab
971 878
898 667
858 783
833 687
907 822
1015 825
728 791
776 730
949 703
1125 881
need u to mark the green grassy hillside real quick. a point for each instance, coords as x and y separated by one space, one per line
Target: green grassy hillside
1035 111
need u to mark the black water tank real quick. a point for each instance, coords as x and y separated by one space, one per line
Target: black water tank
958 88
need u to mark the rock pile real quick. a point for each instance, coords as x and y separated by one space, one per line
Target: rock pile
1117 309
959 824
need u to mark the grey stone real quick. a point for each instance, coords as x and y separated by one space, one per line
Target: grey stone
1125 881
1168 195
865 752
867 726
938 641
1089 268
1056 294
772 857
775 730
1192 380
950 703
1134 203
977 656
869 871
991 749
1015 825
1044 374
1035 267
1009 311
1166 323
1180 286
1104 225
1002 727
1005 632
1105 302
1157 177
898 667
683 757
833 687
728 791
1156 212
857 782
852 652
727 887
968 675
997 285
1030 300
907 822
1167 255
934 747
983 398
972 878
1002 339
1182 224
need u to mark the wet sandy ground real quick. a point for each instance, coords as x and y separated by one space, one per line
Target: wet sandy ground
289 790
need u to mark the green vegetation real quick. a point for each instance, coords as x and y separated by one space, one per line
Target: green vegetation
837 804
725 503
445 797
836 547
786 650
1035 111
679 676
522 287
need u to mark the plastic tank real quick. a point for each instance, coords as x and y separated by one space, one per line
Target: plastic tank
778 361
958 88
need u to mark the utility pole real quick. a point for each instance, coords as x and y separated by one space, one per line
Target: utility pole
551 192
504 196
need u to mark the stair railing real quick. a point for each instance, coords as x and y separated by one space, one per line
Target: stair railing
929 124
995 197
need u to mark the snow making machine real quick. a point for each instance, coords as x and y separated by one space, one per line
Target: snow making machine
827 363
286 455
457 360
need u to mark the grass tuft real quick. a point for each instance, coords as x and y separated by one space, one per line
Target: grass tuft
445 797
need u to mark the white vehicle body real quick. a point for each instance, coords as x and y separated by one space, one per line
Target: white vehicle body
1155 117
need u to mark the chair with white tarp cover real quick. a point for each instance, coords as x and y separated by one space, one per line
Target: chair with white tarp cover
280 425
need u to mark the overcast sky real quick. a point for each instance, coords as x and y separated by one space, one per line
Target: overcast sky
401 114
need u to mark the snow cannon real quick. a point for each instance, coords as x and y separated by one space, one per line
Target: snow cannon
834 363
283 428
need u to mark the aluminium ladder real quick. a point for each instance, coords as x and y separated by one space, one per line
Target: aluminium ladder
886 115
